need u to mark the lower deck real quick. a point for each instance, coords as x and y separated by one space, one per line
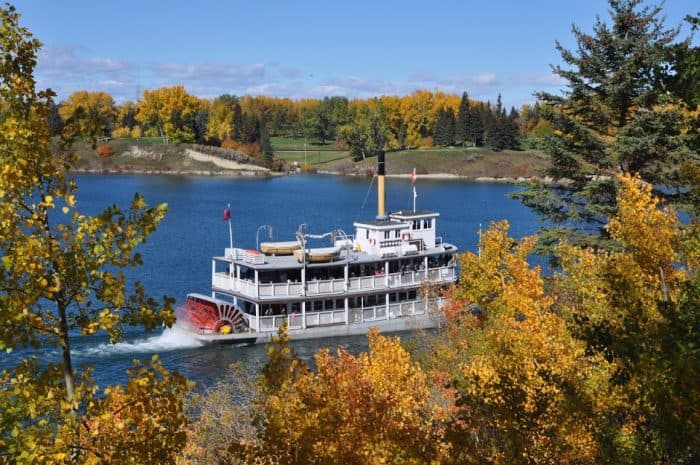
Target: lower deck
332 312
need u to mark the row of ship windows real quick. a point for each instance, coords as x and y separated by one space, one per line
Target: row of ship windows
416 225
332 304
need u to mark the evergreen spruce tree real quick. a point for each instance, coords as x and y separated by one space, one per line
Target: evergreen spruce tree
266 146
463 120
237 130
439 131
450 129
444 134
475 127
615 116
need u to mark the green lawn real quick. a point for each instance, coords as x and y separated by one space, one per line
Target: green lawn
297 143
469 162
313 157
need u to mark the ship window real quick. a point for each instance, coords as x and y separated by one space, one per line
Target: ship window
386 234
366 233
371 300
402 296
329 304
413 225
339 303
392 297
411 295
381 299
318 305
396 233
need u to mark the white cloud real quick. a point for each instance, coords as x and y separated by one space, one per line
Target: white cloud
539 79
67 69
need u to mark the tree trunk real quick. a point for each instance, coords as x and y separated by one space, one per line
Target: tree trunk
67 363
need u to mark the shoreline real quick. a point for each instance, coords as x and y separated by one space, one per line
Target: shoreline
195 173
268 174
250 174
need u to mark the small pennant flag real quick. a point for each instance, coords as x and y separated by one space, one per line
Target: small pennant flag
413 177
227 214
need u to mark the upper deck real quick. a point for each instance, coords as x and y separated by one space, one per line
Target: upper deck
354 272
398 252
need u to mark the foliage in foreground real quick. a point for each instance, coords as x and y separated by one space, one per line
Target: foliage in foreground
597 364
62 272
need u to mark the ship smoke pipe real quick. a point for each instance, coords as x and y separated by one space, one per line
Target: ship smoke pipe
381 197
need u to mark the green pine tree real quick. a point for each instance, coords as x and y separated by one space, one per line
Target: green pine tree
615 116
463 120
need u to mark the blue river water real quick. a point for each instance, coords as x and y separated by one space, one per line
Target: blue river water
177 256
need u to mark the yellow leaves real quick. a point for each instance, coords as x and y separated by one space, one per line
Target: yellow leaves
370 408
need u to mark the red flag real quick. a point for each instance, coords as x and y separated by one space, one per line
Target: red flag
413 176
227 214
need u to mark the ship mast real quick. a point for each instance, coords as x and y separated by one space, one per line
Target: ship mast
381 197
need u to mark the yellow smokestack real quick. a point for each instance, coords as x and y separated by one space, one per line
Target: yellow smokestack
381 196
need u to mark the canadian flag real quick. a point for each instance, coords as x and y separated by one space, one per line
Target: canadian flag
227 214
413 177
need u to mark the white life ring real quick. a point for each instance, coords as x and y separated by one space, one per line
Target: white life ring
405 236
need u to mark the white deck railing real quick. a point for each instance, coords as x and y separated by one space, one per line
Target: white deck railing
355 315
247 288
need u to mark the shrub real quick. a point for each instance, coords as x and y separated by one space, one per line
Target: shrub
104 150
305 168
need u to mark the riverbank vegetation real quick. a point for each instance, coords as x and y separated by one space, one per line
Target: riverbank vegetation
597 363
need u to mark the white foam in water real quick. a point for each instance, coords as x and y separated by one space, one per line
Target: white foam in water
168 340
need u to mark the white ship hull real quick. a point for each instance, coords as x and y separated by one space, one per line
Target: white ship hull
402 324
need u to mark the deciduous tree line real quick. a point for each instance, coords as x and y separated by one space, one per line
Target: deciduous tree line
423 118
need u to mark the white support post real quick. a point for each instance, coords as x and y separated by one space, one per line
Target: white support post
213 273
257 317
347 311
303 314
386 274
257 285
386 305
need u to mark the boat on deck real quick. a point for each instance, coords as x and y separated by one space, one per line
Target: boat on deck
279 248
388 275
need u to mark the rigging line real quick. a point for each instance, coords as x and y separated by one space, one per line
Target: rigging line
366 197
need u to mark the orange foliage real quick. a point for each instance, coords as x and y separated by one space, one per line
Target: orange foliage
104 150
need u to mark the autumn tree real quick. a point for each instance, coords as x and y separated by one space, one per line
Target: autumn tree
93 113
62 273
220 125
518 384
615 116
367 409
367 135
172 112
637 307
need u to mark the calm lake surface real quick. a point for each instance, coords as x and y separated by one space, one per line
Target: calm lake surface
177 256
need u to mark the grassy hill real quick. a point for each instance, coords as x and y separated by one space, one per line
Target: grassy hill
150 155
468 162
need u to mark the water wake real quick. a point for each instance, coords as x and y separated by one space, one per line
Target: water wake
166 341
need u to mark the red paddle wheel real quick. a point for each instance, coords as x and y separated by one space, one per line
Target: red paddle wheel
199 314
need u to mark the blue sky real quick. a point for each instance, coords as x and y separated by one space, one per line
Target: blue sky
310 48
